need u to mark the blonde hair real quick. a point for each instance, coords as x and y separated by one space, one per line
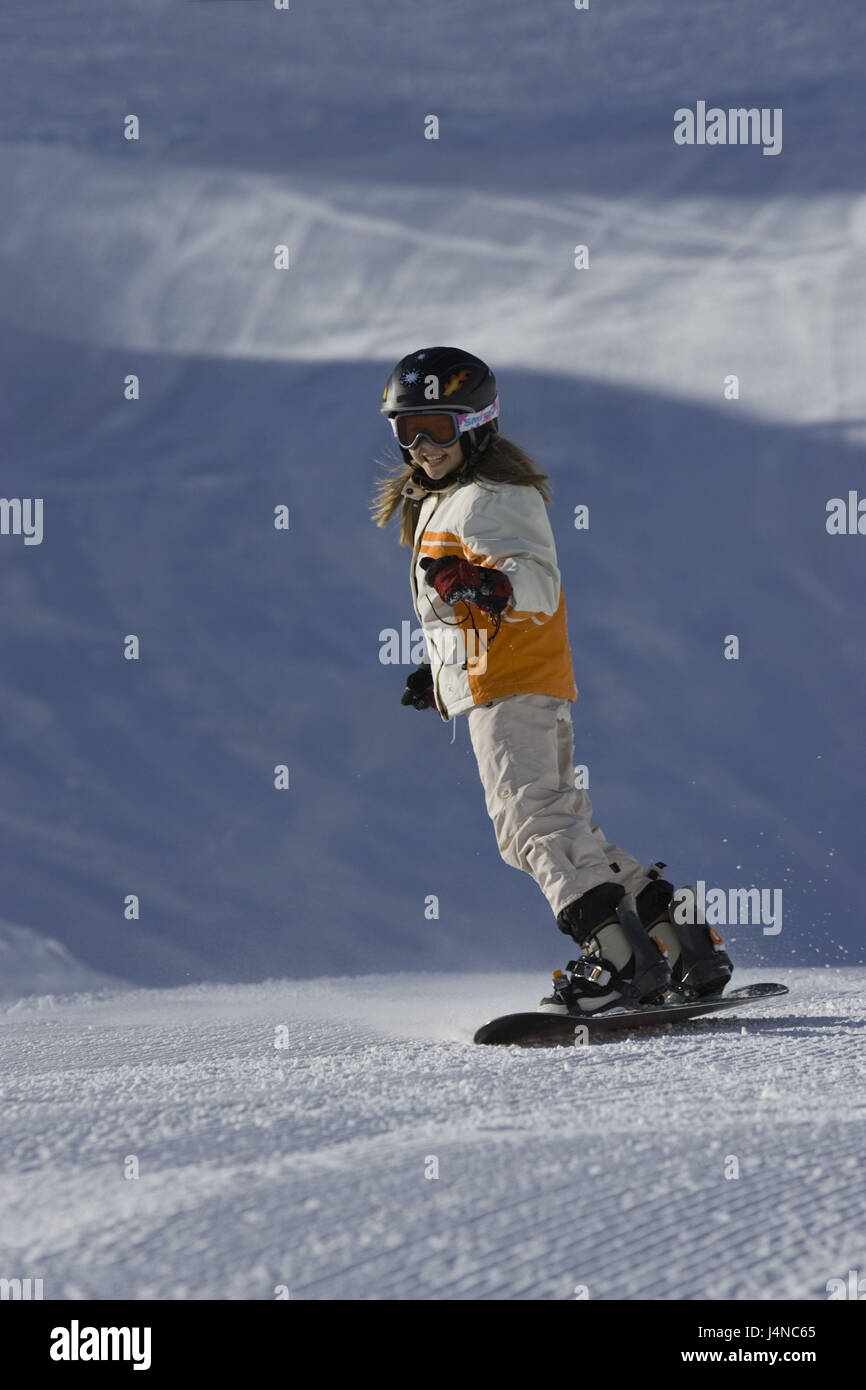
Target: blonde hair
503 461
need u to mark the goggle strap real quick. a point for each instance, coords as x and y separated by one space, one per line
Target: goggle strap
480 417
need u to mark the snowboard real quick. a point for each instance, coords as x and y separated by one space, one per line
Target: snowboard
565 1030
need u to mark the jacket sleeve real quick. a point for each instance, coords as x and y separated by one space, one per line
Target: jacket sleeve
507 529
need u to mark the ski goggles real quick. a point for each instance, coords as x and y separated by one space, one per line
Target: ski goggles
442 427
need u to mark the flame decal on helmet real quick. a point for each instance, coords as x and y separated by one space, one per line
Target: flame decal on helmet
455 381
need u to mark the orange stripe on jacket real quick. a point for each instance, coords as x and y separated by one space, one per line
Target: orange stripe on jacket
439 543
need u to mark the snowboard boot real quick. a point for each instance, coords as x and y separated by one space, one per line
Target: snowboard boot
621 966
699 968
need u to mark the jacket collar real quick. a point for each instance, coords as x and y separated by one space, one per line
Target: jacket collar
415 490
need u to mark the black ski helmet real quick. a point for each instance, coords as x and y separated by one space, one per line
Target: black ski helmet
444 379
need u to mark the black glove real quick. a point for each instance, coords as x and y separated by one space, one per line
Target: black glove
419 689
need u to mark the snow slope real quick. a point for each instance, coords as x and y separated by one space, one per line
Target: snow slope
33 964
260 648
304 1165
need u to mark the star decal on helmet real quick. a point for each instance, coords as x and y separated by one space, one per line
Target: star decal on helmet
410 378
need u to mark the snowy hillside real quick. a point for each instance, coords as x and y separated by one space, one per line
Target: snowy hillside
155 778
35 965
383 1156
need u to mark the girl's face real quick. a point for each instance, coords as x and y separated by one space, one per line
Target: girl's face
436 460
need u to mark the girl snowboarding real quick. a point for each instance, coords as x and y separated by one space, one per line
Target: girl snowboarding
486 590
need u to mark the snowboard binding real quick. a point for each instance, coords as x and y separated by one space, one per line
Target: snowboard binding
621 964
700 969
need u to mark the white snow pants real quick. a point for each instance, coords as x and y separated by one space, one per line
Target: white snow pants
524 745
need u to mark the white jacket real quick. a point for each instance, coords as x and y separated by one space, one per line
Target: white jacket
501 526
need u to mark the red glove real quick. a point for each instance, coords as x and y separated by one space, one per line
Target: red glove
457 581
